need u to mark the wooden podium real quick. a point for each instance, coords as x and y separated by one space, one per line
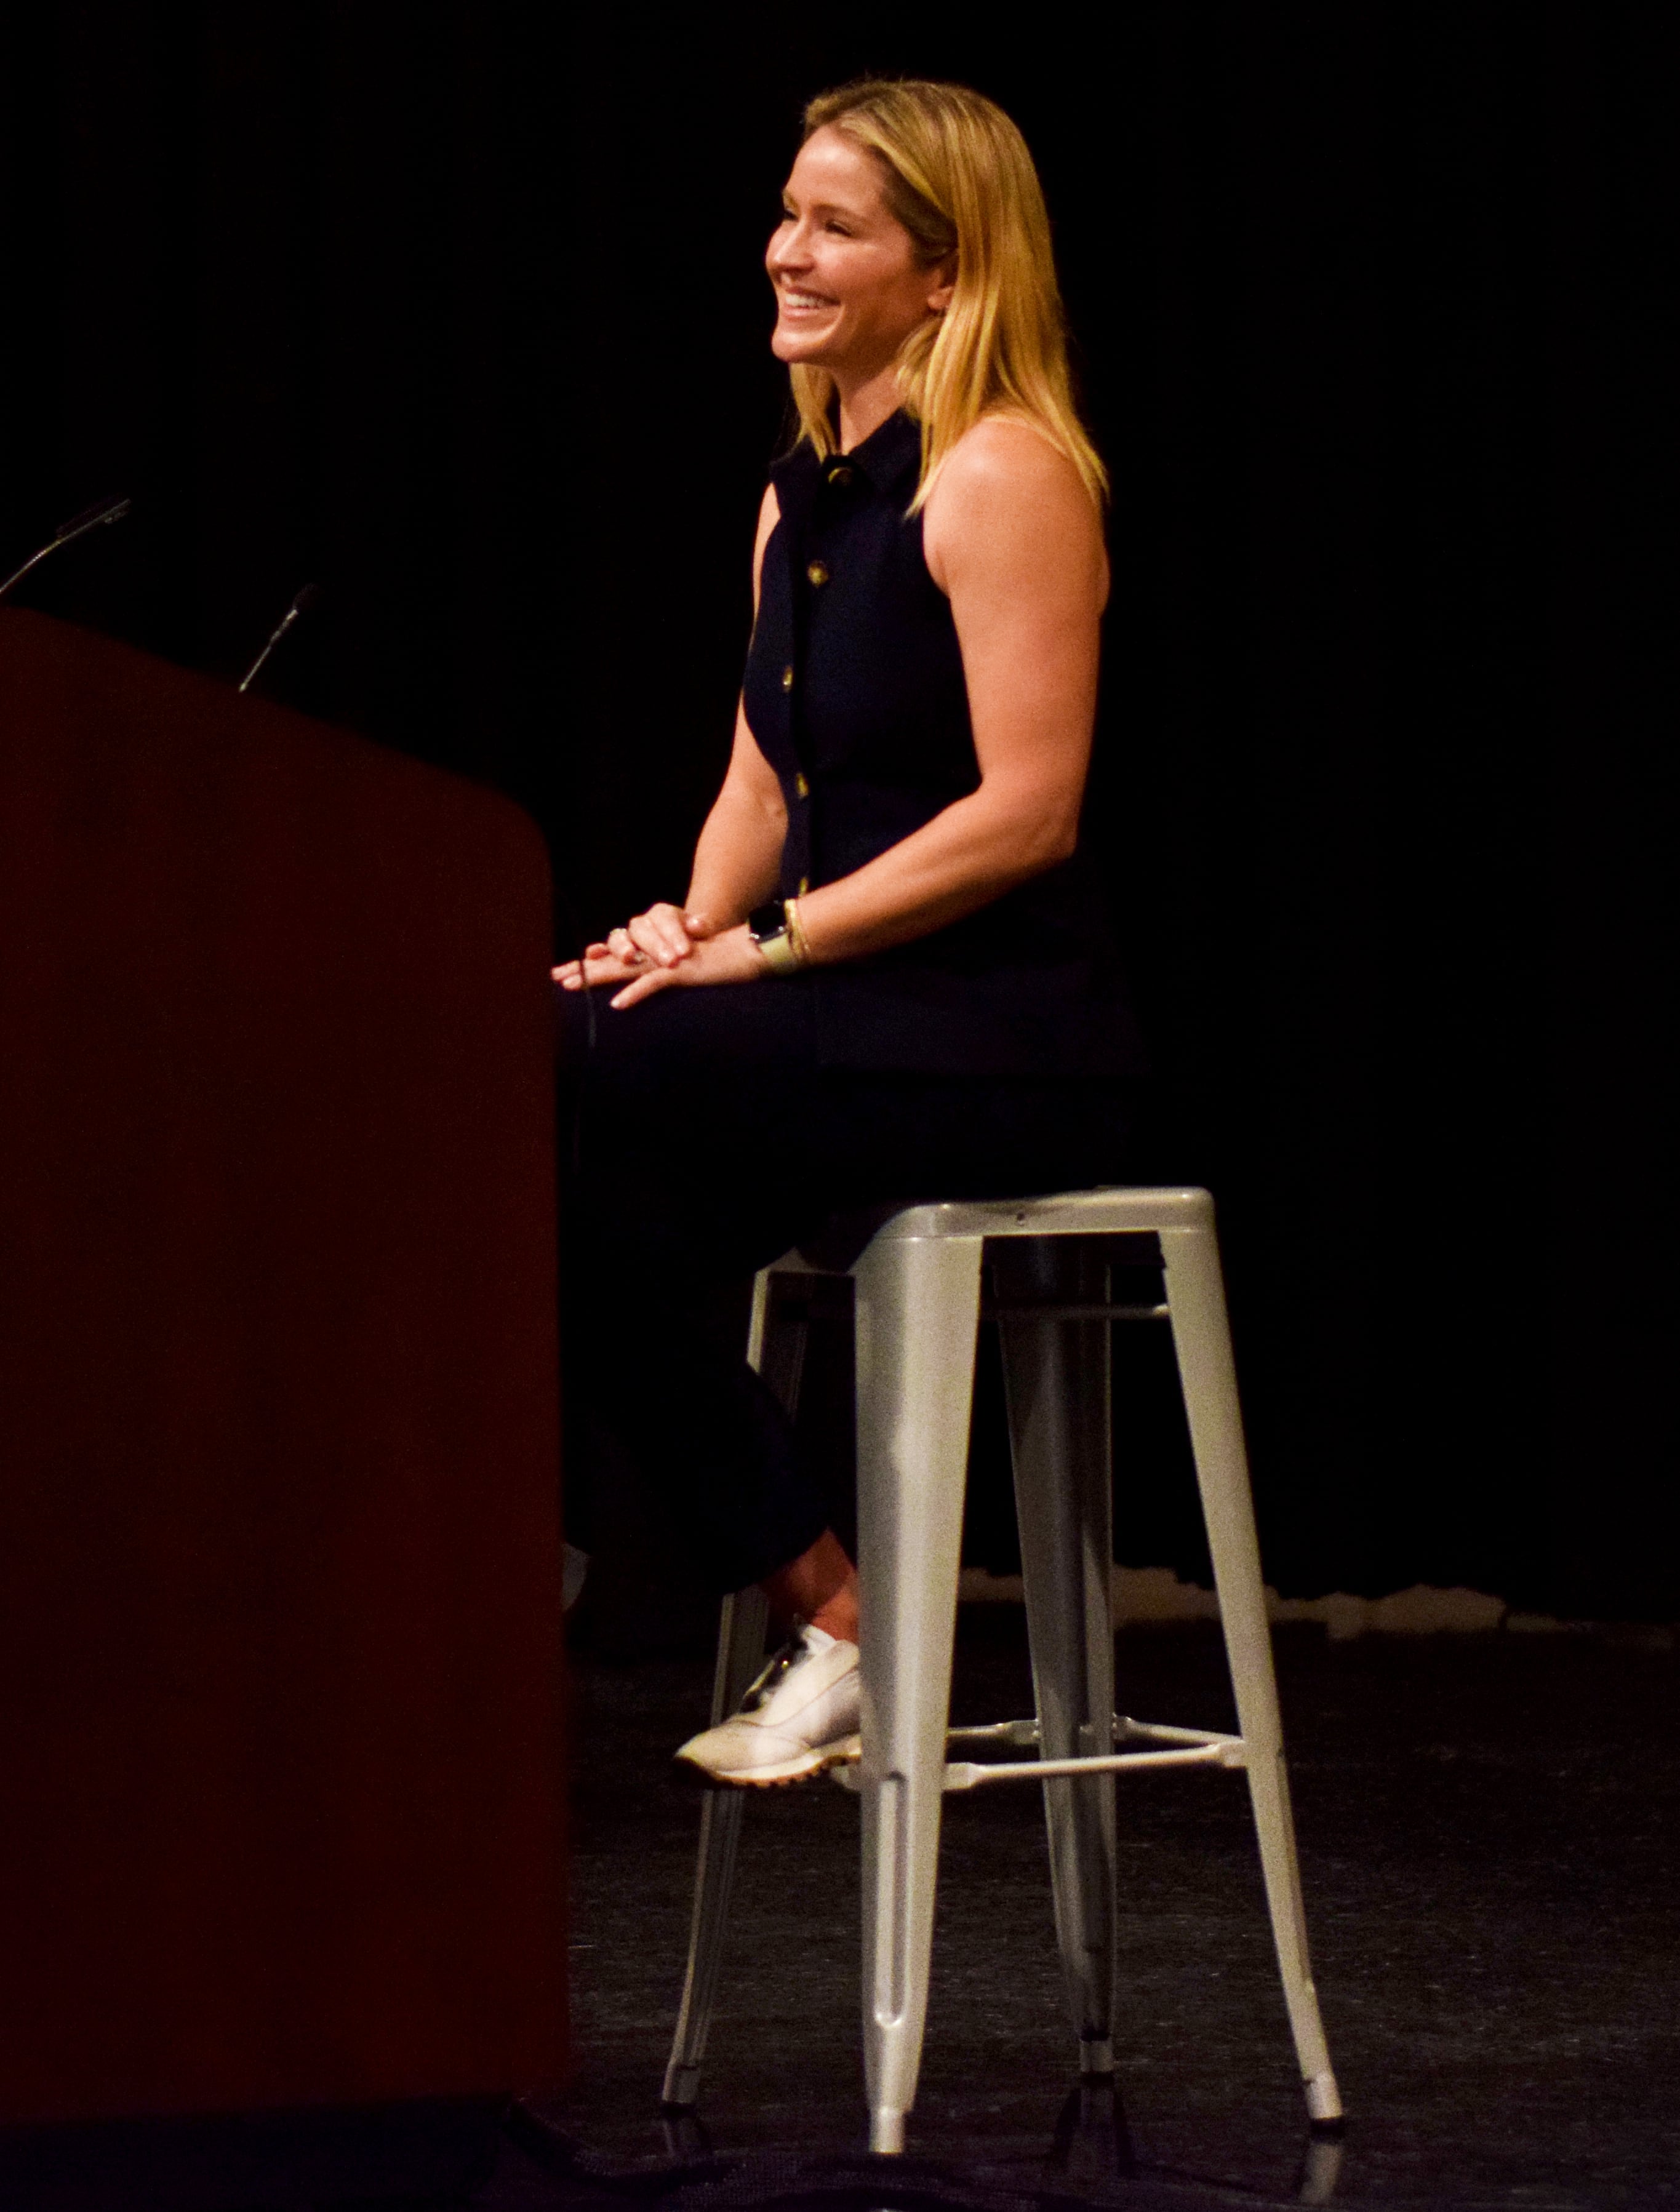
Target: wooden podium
280 1814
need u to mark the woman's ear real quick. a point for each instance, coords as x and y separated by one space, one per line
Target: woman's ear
944 286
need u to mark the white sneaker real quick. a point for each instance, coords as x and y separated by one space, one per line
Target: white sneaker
800 1716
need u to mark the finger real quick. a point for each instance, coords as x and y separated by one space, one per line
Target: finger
646 984
676 935
610 970
660 934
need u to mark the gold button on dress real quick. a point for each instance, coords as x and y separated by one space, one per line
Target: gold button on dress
788 678
818 572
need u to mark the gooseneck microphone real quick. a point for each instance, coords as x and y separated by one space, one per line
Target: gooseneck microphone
107 510
299 607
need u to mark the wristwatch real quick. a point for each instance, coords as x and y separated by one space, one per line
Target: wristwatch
769 928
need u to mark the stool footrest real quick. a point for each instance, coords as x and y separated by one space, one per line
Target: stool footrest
1126 1730
975 1774
1088 1309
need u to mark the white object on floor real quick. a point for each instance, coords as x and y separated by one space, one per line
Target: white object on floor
1154 1593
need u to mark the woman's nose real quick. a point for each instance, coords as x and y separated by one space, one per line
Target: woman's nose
789 250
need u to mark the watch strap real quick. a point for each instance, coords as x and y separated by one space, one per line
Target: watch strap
779 954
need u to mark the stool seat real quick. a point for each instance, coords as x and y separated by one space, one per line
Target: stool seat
917 1273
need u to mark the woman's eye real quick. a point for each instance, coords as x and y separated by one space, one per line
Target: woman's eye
840 229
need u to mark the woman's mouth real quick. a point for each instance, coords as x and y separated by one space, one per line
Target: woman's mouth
804 303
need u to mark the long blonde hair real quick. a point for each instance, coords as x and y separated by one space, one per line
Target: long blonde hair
958 176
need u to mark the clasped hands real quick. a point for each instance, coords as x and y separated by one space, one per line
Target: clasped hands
662 947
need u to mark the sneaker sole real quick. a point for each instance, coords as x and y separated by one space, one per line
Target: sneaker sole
784 1771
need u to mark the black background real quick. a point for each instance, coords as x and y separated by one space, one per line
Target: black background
458 312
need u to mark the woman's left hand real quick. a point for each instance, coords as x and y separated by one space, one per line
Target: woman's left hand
730 958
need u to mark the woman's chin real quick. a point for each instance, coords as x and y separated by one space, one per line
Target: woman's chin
799 348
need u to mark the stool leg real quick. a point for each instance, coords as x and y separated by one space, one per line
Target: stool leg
776 1346
1055 1378
918 1304
740 1654
1202 1339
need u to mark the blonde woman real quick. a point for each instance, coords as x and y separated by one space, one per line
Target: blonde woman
887 979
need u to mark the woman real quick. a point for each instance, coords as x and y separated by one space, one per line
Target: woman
887 979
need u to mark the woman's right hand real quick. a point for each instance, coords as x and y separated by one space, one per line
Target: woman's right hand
664 937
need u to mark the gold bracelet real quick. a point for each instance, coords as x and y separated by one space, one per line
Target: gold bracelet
796 936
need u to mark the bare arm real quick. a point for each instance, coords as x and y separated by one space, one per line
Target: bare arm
1013 540
740 851
739 848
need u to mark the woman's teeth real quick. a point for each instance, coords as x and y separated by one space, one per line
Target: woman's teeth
804 300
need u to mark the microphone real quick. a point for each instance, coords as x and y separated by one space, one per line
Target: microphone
299 607
107 510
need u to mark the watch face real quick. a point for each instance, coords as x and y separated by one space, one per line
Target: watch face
766 920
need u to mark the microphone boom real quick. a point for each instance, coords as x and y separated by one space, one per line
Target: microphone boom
104 510
299 607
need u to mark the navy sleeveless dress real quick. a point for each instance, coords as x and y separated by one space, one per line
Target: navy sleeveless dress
706 1131
855 695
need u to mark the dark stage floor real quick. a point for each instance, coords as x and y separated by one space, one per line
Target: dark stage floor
1489 1846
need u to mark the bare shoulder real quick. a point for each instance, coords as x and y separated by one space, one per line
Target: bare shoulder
1005 492
1001 451
1004 464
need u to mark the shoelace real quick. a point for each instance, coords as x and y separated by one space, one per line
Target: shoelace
765 1686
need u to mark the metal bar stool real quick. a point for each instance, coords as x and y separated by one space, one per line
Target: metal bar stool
918 1285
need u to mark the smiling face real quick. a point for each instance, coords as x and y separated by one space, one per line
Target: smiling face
849 287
